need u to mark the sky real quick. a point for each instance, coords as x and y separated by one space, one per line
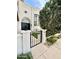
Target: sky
36 3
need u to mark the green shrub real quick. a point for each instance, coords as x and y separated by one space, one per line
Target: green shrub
25 56
35 34
50 17
52 39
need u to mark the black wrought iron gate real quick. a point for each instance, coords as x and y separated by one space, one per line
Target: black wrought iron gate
35 38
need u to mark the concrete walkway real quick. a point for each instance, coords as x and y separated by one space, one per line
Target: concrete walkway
44 52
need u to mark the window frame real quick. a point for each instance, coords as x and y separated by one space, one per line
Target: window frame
35 19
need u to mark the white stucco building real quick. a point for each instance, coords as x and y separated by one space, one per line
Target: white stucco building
27 22
25 11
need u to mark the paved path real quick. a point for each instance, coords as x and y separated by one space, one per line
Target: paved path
43 52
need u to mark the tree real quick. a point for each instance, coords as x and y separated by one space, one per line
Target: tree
50 17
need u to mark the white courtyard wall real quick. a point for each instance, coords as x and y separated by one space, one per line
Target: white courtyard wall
19 44
26 41
23 42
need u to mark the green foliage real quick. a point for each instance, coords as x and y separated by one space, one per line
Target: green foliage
50 17
25 56
52 40
35 34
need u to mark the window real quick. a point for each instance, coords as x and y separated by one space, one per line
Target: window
35 19
25 26
25 11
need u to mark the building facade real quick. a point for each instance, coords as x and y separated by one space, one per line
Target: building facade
27 22
27 14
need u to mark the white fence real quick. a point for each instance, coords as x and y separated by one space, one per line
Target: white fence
19 43
23 42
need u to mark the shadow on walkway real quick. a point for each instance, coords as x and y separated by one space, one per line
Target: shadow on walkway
41 51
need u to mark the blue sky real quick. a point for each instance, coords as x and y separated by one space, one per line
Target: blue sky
36 3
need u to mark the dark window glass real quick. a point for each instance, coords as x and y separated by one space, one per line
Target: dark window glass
25 11
35 19
25 26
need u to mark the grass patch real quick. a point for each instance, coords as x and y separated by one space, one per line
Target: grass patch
25 56
35 34
52 40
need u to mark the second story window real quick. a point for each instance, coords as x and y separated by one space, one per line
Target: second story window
35 19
